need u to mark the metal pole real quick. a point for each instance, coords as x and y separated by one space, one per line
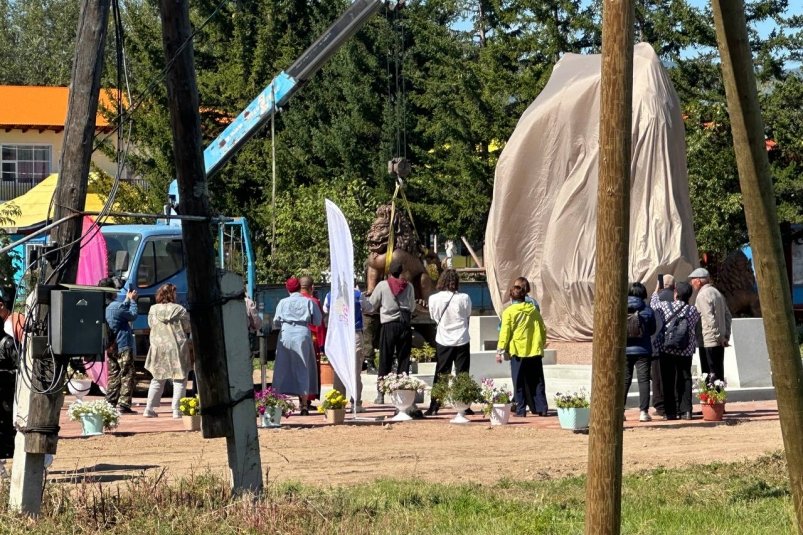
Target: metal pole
31 236
273 179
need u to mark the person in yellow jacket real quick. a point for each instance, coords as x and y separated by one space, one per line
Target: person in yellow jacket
522 336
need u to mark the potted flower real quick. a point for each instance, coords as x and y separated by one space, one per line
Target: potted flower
271 406
402 389
95 416
334 407
327 372
712 397
460 391
422 360
573 409
79 383
497 400
190 409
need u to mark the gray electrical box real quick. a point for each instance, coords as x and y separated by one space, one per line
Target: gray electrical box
76 322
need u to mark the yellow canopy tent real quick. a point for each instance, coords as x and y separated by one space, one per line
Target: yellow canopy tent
34 204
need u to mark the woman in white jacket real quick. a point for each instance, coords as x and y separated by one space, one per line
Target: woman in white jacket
169 353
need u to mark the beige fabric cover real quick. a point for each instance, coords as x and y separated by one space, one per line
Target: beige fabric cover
542 221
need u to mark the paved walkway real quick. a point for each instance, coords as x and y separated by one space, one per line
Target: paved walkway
136 423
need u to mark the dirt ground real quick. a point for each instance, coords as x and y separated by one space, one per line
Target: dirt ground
309 451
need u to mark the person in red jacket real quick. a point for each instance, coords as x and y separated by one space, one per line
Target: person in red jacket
318 331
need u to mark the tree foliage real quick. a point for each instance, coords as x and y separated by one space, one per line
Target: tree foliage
443 83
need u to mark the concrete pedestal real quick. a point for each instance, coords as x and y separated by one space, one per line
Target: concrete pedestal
747 363
483 332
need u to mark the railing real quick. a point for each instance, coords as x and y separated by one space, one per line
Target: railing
11 190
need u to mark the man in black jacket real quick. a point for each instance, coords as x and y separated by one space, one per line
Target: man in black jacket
8 372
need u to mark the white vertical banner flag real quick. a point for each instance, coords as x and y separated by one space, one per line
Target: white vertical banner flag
340 337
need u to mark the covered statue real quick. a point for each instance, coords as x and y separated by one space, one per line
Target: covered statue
542 222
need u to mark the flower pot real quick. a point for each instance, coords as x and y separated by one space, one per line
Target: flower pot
335 416
402 400
79 387
327 374
92 424
572 418
713 413
191 423
272 417
461 413
500 413
427 368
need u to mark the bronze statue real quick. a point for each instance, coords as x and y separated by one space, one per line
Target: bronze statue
734 277
421 267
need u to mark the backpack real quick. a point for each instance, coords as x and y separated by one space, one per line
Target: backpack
676 332
634 326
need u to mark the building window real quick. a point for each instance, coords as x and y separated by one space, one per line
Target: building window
25 163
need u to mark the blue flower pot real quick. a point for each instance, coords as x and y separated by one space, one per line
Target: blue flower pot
92 424
574 419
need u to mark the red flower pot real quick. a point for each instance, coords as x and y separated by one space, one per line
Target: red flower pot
327 374
713 413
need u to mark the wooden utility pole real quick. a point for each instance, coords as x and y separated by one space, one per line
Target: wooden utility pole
758 197
202 277
38 413
604 485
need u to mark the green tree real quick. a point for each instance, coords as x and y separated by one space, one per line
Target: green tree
36 41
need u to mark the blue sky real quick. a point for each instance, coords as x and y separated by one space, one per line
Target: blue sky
795 8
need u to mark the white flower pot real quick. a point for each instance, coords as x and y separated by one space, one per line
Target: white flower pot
461 413
500 413
272 417
79 387
402 400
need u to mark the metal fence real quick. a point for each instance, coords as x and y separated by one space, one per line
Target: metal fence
11 190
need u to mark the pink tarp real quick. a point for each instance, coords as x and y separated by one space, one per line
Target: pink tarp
92 267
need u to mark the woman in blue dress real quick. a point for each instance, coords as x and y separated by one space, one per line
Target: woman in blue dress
295 372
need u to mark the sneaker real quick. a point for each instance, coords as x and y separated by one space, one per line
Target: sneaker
149 413
644 417
125 409
360 408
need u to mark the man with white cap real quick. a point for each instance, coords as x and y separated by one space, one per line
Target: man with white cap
716 324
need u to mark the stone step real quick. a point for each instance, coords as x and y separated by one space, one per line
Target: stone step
567 378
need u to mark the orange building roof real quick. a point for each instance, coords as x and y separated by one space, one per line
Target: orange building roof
42 108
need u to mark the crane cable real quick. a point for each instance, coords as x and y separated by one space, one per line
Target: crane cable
400 105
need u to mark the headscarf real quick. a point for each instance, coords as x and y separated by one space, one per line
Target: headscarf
293 285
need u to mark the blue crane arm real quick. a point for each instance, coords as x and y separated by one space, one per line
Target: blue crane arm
281 88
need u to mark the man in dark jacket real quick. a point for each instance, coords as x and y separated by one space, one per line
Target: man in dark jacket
9 336
641 326
119 315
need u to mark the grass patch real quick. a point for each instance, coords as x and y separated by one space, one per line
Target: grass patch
735 498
